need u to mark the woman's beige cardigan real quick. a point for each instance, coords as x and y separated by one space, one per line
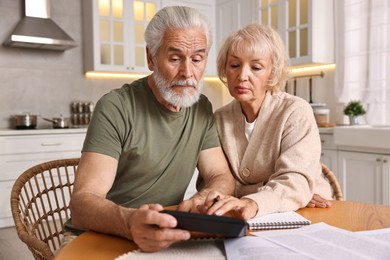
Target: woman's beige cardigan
280 167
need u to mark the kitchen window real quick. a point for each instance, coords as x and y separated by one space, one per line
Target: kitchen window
363 56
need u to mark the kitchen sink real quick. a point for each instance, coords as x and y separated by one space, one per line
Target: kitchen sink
371 136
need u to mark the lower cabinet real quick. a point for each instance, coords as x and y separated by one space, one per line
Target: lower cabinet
329 152
363 173
330 159
364 177
19 152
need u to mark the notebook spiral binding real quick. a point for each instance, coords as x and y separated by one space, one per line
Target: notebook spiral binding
278 225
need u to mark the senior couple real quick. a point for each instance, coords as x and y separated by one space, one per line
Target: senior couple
259 154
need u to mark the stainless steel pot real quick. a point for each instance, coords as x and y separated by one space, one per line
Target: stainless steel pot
59 122
25 121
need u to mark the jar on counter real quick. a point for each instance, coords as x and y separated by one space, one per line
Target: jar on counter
322 115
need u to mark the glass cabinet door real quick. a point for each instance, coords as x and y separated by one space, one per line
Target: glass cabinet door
142 13
117 34
291 19
297 28
111 32
269 13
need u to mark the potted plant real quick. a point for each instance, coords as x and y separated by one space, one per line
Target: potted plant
353 110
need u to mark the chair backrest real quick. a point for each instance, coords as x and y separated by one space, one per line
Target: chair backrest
40 205
334 183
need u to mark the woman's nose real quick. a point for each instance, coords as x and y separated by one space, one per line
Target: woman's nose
243 74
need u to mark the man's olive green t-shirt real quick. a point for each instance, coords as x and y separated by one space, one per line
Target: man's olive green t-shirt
157 149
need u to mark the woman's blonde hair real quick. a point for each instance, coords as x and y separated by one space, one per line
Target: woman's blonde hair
255 38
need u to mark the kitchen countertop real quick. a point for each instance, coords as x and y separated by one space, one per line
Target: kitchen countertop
41 131
326 130
373 138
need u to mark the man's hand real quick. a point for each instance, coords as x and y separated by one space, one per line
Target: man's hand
153 231
318 202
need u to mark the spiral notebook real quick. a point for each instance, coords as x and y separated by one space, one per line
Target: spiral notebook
280 220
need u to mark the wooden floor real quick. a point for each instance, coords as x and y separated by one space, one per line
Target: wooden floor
11 248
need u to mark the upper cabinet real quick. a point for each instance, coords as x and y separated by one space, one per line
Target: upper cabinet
232 15
306 27
114 34
114 29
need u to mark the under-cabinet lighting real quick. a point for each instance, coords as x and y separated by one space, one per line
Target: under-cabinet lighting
119 75
312 68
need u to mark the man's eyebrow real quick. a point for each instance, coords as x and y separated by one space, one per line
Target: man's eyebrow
174 49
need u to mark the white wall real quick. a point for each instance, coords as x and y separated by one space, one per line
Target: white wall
322 91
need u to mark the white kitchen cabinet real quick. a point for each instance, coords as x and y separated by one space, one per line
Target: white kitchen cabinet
330 158
364 177
114 34
207 8
329 152
232 15
306 27
20 150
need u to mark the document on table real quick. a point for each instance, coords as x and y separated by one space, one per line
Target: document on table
316 241
380 234
247 248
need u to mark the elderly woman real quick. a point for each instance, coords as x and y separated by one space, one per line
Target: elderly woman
269 137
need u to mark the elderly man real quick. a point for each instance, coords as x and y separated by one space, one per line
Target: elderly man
145 140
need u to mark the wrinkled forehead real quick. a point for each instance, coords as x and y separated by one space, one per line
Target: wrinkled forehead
192 38
258 46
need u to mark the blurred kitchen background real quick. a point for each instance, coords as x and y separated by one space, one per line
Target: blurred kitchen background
339 50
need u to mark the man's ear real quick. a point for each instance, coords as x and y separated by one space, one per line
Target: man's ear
149 59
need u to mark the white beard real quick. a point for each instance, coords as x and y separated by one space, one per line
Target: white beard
186 98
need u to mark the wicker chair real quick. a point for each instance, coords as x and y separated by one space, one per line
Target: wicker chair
40 205
334 183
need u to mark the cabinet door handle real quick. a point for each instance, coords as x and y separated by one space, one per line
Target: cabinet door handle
378 160
322 141
51 144
385 161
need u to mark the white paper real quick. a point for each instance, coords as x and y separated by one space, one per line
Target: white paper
194 249
379 234
253 248
322 241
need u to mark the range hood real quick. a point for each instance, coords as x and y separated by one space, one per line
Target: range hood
37 30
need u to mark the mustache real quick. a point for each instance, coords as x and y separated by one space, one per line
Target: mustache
185 82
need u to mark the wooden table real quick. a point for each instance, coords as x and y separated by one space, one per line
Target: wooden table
353 216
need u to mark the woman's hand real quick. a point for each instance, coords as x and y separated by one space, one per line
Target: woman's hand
200 202
318 202
244 208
